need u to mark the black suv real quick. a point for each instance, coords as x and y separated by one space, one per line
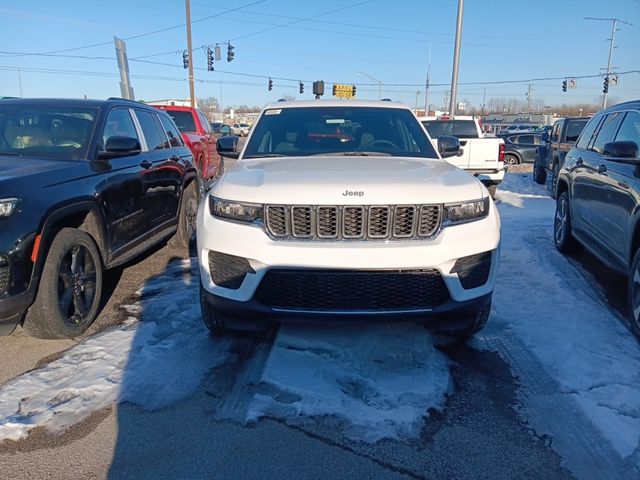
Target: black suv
598 195
550 155
84 186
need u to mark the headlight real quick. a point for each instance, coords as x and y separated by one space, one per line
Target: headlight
228 209
466 212
7 206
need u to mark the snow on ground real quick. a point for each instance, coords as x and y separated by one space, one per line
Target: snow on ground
151 363
522 185
380 380
551 307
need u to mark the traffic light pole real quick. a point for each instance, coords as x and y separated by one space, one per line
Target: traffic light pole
192 95
611 43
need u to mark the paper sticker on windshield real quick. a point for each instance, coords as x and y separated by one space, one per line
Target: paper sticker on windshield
273 112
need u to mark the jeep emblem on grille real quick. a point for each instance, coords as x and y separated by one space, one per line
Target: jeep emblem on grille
353 193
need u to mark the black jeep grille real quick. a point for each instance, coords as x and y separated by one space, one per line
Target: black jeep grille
352 290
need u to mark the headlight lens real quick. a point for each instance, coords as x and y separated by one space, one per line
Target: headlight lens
466 212
7 206
228 209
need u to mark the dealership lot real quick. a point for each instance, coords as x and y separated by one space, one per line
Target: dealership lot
551 386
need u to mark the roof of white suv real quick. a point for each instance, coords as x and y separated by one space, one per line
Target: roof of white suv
337 103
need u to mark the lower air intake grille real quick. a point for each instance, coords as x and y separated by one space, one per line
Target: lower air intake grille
352 290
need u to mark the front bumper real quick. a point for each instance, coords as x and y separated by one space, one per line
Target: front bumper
264 254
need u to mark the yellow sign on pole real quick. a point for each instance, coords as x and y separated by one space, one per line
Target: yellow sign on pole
344 91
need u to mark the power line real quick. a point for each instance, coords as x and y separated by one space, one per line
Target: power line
140 35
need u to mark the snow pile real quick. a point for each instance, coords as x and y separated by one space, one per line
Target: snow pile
522 185
152 363
559 314
380 380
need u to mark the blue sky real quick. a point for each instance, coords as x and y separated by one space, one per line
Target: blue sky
502 40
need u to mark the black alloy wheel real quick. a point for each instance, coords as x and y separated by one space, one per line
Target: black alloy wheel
77 284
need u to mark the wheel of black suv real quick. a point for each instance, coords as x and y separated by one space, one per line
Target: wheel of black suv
214 322
70 287
186 234
478 322
511 160
634 294
554 180
539 175
562 236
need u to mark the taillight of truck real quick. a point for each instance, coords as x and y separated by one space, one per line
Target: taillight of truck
501 152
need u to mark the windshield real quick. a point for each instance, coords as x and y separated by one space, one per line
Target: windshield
183 120
574 128
456 128
347 130
45 131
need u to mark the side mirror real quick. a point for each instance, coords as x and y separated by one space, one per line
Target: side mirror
623 150
120 147
225 130
228 146
448 146
545 137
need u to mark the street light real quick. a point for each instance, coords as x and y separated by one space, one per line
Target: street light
379 82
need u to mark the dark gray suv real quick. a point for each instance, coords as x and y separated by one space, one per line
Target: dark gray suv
598 196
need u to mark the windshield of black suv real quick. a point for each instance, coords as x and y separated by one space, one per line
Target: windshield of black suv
574 129
348 130
46 131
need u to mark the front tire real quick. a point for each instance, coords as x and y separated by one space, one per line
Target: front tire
634 294
477 321
562 236
213 321
70 287
187 218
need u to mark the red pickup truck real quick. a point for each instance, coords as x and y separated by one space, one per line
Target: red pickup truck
199 137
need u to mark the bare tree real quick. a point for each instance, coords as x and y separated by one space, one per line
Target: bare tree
209 105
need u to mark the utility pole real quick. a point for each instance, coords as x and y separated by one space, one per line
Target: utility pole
192 94
426 85
611 47
456 60
417 95
484 97
20 82
529 90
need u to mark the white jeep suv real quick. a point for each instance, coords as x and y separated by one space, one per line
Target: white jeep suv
344 210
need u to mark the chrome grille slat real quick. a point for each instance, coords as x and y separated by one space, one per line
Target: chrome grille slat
301 222
352 222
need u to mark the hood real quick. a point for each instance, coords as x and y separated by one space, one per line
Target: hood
14 166
332 180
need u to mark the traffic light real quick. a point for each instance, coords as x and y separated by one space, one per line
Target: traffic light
209 59
230 53
605 85
564 86
301 87
270 84
185 59
354 90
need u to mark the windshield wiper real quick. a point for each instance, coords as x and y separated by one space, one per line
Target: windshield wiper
11 154
266 155
354 154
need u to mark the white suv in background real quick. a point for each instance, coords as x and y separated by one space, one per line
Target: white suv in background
344 210
241 129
